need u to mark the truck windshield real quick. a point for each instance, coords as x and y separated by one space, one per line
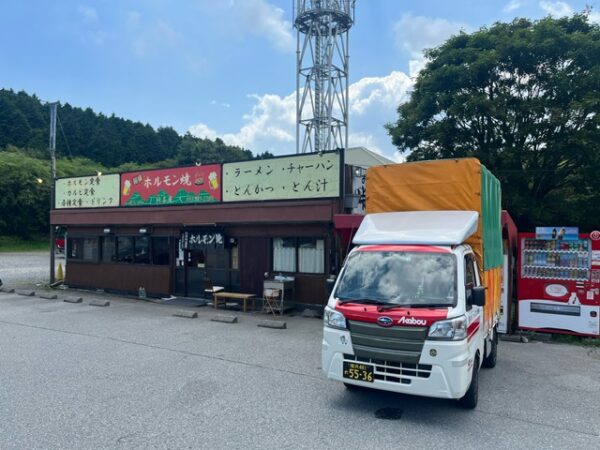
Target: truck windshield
399 278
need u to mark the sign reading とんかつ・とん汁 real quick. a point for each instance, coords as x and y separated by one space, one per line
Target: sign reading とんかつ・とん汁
296 177
97 191
179 186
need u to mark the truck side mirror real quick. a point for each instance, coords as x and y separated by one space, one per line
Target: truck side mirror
478 296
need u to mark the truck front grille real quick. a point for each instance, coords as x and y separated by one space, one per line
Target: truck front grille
393 344
392 371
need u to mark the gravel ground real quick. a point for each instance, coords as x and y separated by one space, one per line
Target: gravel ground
26 268
131 375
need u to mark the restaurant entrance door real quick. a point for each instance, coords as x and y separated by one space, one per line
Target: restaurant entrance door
205 259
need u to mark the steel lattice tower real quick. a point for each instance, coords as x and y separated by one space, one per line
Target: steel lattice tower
322 73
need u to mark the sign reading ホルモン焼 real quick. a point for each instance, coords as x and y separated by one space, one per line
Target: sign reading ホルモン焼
87 192
296 177
180 186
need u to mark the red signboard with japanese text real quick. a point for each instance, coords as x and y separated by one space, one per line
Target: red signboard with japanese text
170 187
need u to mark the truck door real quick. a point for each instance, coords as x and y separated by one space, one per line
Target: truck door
474 313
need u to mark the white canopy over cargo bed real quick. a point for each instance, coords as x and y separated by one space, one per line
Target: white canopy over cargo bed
417 228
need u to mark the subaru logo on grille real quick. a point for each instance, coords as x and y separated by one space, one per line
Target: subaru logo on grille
385 321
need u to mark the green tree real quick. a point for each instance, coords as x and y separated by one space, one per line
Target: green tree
24 194
524 98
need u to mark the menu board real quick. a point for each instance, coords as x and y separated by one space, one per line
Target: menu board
96 191
556 260
311 175
168 187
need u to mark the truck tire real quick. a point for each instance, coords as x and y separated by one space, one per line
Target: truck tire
489 361
469 400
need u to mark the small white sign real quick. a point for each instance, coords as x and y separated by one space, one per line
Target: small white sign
556 290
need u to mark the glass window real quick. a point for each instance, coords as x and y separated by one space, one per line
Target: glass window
142 250
74 248
235 258
125 249
399 278
311 255
84 249
90 249
108 249
469 278
160 251
284 255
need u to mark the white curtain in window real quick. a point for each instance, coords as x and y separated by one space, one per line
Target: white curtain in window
312 257
284 257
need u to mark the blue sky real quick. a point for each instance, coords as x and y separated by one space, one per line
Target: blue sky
227 67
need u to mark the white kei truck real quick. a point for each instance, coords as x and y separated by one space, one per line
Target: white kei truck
416 305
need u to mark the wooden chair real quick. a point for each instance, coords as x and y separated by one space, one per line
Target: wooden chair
271 303
209 288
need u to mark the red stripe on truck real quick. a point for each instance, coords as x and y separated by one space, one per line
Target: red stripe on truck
416 317
403 248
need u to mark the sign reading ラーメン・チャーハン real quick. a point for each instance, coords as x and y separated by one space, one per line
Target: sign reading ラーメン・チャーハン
296 177
94 191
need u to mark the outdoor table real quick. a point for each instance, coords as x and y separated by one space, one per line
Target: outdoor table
233 296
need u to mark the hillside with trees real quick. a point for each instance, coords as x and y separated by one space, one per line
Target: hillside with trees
86 143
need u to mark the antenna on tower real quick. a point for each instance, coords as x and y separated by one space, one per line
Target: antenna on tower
322 73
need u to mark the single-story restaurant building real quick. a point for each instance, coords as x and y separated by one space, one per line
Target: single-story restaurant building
177 231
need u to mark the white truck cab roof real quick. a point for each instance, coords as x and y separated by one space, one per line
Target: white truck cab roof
417 228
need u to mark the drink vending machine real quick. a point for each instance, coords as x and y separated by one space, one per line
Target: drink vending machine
559 283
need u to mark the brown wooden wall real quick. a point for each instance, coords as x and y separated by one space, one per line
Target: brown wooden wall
120 277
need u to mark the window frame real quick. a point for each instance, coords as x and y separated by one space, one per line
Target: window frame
81 259
297 241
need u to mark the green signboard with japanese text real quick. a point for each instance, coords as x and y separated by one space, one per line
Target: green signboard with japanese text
98 191
305 176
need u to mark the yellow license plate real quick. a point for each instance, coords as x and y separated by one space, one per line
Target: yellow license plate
359 372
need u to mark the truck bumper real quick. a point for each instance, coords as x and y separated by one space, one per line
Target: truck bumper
445 375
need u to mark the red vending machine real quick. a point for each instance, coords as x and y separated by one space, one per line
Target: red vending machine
559 281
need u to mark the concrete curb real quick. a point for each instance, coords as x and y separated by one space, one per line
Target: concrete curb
186 314
26 292
224 318
101 303
48 296
7 290
277 324
73 300
513 338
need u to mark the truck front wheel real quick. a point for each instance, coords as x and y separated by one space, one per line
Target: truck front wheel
490 360
469 400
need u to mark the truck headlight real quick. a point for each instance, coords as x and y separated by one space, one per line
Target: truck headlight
334 319
449 330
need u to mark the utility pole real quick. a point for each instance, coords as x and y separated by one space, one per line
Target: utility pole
52 148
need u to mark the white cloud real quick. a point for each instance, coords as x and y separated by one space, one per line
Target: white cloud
89 14
386 91
594 17
203 131
416 33
513 5
260 18
271 124
556 9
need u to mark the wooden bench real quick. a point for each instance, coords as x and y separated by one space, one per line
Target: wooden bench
233 296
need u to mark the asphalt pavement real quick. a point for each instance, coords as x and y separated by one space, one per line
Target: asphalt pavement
131 375
25 268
